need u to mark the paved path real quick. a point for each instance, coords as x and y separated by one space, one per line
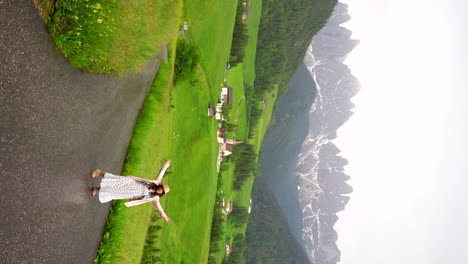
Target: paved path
56 125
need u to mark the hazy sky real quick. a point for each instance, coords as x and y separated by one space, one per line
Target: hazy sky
406 143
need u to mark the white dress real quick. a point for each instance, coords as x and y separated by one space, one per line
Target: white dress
120 187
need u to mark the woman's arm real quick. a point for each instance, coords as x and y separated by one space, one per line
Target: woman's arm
139 179
158 206
162 171
138 202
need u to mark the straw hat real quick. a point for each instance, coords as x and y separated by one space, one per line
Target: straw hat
166 188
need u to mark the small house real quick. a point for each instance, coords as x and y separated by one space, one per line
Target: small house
229 207
211 110
228 248
226 96
221 135
219 112
227 146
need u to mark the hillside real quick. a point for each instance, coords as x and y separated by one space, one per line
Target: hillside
286 29
307 176
268 237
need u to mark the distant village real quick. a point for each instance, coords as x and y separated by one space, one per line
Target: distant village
220 112
226 145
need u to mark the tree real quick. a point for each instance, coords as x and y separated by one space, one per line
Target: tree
239 216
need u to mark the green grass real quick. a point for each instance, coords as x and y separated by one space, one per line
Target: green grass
244 73
112 35
238 113
125 231
46 8
193 137
188 137
253 23
211 26
194 151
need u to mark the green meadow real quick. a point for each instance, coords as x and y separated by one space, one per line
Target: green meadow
211 26
173 124
126 228
112 35
194 146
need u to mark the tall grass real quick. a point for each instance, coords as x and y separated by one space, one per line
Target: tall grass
187 59
112 35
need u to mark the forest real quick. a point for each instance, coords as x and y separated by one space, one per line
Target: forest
286 30
268 237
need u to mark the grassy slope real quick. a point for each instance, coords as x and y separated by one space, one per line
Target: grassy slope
253 24
193 183
238 113
111 36
194 147
187 136
125 232
211 25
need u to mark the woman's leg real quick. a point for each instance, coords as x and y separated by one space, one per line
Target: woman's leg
95 190
97 173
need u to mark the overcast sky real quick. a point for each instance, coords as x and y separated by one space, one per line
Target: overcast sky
406 143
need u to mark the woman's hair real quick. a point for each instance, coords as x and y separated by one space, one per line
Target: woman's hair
153 187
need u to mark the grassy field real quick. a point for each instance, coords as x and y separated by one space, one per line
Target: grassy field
238 113
211 26
194 146
112 35
193 183
125 232
245 72
253 24
188 137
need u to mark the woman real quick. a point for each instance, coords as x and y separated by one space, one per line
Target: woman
138 190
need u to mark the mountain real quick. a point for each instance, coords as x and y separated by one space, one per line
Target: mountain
303 167
322 182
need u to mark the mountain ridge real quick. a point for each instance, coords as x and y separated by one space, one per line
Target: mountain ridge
299 160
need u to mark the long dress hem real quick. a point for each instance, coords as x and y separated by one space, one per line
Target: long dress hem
119 187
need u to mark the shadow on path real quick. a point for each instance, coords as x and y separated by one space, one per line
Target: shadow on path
56 125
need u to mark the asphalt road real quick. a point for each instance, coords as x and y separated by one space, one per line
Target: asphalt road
56 125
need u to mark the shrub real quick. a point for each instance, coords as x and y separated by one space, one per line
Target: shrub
187 59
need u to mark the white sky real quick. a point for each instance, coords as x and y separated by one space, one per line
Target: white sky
406 143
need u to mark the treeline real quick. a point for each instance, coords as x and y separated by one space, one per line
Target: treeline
219 217
240 37
268 237
238 248
286 30
151 252
245 159
239 216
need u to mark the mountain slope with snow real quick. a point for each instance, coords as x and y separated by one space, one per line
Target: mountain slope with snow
323 190
302 165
